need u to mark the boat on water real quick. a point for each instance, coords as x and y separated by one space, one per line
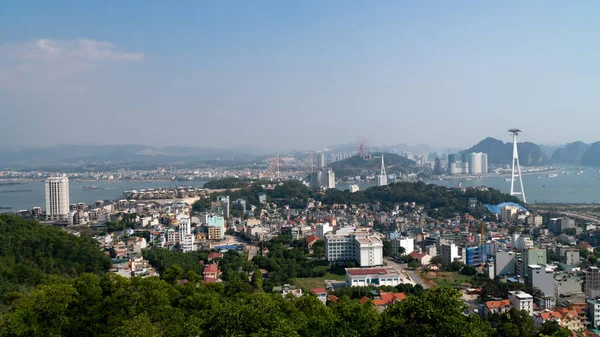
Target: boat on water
5 207
539 177
580 172
507 179
552 175
563 172
91 187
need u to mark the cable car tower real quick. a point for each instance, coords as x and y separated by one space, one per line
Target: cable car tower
513 175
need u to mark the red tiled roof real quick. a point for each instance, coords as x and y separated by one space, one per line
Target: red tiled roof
319 290
416 255
363 300
400 296
311 239
215 255
497 304
332 298
368 271
210 280
211 268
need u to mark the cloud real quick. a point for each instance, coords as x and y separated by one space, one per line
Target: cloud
50 65
79 49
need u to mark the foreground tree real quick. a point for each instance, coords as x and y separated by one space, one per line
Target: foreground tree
438 312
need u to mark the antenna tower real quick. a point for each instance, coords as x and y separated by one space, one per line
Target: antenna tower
515 133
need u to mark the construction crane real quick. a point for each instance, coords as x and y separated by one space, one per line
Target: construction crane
482 243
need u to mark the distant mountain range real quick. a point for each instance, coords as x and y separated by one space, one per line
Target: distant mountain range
98 155
576 153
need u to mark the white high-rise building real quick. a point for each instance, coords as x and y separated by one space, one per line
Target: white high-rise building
365 249
478 163
322 229
57 198
329 179
354 188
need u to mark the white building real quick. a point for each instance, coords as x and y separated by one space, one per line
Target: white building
365 249
354 188
360 277
594 313
369 251
449 253
542 277
57 198
407 243
329 179
521 301
186 238
478 163
322 229
509 213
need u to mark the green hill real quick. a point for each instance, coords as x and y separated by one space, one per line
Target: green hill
30 252
356 164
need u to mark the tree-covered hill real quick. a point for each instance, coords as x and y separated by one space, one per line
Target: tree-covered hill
356 165
447 201
592 155
30 251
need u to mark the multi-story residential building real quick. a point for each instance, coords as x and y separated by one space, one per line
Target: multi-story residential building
57 198
542 277
407 243
369 250
449 252
366 250
322 229
216 227
592 282
535 220
594 313
478 163
521 301
530 256
474 255
509 213
504 263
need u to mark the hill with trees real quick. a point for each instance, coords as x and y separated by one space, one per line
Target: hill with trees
570 154
31 252
356 165
438 201
500 153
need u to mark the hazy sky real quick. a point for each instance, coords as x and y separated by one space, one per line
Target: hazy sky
297 74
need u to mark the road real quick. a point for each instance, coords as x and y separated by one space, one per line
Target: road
402 269
416 278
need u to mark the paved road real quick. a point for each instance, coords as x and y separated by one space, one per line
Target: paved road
414 275
402 269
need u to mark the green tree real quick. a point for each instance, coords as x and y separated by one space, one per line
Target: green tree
437 312
413 264
257 280
401 250
172 274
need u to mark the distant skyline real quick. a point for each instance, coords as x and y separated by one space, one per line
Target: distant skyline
297 74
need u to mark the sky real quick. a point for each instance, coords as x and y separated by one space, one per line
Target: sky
297 74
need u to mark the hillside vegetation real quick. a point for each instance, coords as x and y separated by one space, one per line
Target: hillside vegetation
30 252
